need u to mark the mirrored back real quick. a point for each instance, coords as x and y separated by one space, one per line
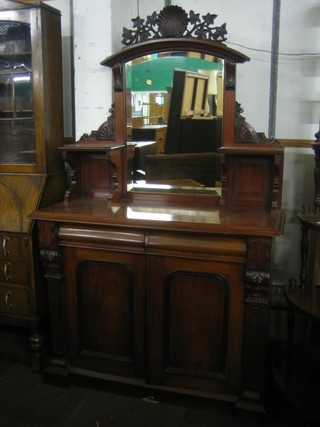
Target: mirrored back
174 107
175 89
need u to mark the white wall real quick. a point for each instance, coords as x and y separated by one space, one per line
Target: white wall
66 30
249 26
298 108
92 82
98 30
124 11
298 112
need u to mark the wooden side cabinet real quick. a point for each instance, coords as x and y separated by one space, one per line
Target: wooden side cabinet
180 310
31 168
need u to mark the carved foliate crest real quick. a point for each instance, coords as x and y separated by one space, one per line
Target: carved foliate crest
173 21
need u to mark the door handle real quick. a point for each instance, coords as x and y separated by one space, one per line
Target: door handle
6 300
6 251
6 271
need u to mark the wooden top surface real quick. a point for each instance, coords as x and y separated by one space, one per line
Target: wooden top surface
203 219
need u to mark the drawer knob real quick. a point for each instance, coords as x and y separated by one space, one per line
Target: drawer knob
6 300
6 251
6 271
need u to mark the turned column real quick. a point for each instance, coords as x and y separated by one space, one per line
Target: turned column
316 149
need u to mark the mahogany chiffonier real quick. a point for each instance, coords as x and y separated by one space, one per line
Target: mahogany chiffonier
166 284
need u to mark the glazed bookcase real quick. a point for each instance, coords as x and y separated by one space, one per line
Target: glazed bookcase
31 169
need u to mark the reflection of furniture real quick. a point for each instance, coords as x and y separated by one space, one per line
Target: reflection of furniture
188 130
204 168
188 94
31 169
155 133
141 151
199 135
166 291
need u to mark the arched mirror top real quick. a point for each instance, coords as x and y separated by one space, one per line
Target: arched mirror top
204 47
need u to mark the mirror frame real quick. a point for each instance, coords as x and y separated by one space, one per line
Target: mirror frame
231 57
208 41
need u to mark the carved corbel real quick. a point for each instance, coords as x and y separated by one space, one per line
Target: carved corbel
257 276
50 255
52 260
257 288
257 281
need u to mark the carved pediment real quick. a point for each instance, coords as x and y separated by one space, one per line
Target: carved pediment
173 21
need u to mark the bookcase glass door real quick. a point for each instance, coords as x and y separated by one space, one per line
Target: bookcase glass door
17 136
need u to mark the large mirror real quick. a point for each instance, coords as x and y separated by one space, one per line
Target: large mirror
174 112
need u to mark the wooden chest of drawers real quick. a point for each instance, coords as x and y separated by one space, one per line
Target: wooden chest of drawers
155 133
22 300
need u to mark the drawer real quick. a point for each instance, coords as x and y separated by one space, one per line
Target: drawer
15 301
13 247
14 272
161 135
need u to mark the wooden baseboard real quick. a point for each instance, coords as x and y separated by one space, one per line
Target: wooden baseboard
299 143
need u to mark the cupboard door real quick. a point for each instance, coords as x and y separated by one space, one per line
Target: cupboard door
106 306
196 318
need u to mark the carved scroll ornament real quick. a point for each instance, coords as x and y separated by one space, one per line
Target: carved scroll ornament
245 132
106 130
173 21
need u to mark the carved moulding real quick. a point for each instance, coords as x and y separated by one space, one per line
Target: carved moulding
257 281
173 21
245 132
256 321
257 276
106 130
52 261
257 288
316 149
